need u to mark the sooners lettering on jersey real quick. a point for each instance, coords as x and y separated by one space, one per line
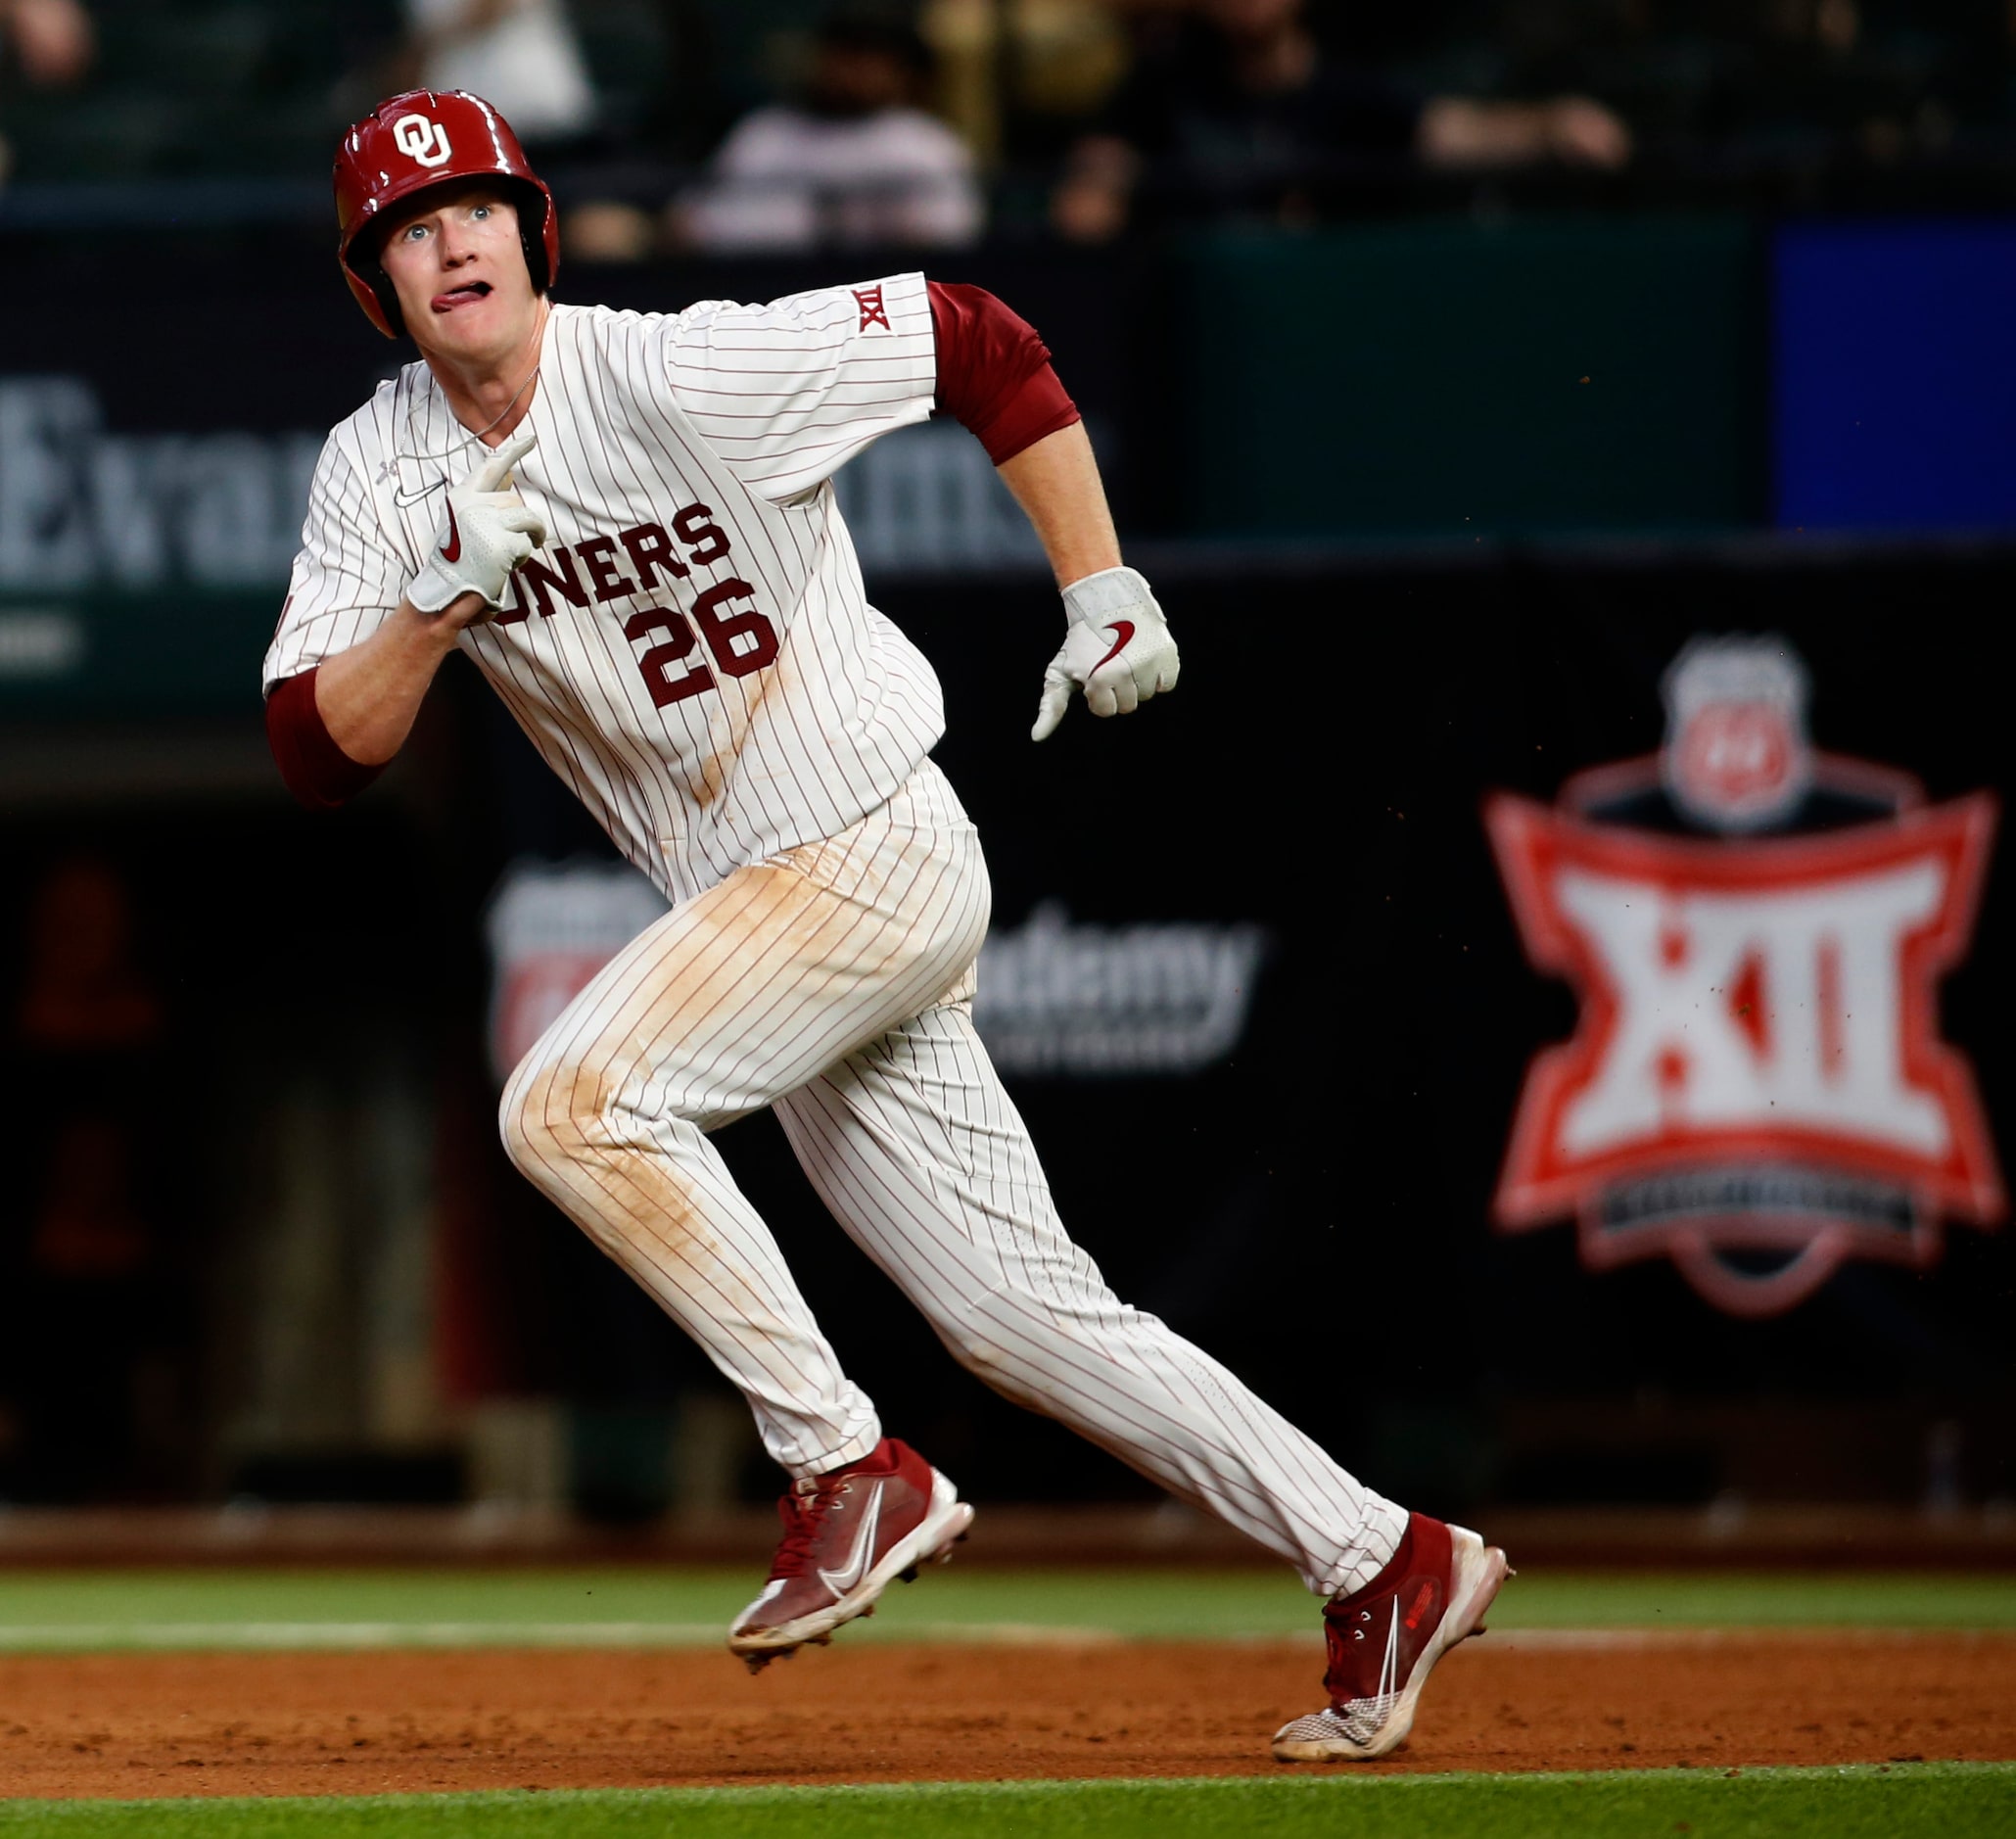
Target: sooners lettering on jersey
1755 1086
692 650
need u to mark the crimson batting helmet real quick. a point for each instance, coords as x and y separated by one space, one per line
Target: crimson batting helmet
426 138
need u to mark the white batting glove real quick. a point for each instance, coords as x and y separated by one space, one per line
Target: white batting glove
488 531
1117 648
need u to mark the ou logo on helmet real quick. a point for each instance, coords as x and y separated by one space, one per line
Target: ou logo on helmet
424 141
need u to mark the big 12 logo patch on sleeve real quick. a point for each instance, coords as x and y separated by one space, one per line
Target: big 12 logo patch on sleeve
1755 1086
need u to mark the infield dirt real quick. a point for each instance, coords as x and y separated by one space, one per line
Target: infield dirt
130 1726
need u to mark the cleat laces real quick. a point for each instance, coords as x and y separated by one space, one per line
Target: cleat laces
804 1512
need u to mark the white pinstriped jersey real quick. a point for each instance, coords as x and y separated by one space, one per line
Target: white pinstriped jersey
693 650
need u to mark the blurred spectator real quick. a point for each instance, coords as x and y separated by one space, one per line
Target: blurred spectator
1060 62
1068 56
85 990
1239 107
1759 85
520 55
51 40
855 161
96 1303
89 1230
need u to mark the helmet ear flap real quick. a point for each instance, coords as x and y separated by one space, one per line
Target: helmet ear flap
388 298
533 208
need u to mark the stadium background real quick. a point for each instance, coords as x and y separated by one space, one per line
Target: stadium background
1435 472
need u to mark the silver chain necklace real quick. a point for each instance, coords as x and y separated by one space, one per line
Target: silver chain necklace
467 437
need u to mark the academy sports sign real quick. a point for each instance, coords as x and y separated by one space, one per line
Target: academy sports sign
1756 1087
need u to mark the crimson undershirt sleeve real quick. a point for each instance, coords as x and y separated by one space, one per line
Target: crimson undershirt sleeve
318 771
993 373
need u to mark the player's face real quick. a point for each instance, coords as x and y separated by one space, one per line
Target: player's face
458 268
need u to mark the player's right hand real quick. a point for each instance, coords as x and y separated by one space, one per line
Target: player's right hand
487 533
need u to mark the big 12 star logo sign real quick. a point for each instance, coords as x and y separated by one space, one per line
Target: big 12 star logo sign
1756 1087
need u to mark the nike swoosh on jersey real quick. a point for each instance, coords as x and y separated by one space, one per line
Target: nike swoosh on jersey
451 549
1125 627
856 1568
402 498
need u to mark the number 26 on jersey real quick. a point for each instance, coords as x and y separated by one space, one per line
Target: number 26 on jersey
738 638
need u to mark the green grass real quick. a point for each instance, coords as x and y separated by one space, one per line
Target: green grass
1950 1800
54 1611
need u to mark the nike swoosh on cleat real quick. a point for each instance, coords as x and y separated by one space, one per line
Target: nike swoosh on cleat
856 1568
1125 627
451 549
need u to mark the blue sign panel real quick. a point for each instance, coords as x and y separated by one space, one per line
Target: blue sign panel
1895 376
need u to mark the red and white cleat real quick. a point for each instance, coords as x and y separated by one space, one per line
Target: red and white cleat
1384 1642
847 1534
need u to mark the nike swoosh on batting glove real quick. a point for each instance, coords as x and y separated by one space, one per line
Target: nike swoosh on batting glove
486 533
1117 648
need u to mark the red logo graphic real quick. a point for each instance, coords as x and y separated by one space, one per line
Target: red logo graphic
1739 757
872 311
451 549
1755 1086
1125 627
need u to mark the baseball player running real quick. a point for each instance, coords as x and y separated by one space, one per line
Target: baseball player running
628 521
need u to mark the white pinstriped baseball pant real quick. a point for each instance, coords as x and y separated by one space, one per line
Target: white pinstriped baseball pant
834 982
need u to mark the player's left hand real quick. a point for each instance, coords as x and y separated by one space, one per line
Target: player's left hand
1117 648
